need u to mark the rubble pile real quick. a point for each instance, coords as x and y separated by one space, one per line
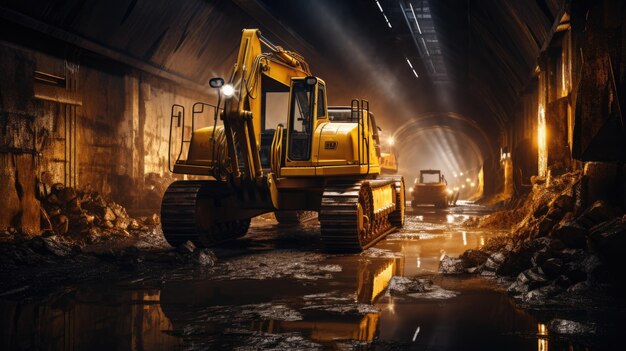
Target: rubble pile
87 215
560 248
57 251
541 195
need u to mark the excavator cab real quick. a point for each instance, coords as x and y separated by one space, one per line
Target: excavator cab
307 104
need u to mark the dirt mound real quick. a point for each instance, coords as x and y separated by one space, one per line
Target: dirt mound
558 245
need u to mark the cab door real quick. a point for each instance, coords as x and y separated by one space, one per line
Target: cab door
302 121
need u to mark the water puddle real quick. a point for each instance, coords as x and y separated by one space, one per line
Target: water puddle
278 293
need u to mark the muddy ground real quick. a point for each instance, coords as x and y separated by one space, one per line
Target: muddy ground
277 289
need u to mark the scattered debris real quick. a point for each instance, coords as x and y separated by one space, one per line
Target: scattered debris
244 313
449 265
277 264
337 303
557 246
419 289
564 326
87 216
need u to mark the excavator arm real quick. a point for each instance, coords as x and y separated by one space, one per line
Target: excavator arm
243 110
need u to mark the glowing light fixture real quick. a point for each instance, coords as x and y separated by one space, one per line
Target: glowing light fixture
541 142
416 22
379 7
463 186
390 141
461 174
473 184
228 90
412 69
383 12
467 180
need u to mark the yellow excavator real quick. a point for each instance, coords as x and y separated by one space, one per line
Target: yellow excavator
325 160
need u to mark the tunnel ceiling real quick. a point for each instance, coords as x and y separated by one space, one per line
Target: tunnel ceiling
476 58
473 57
492 46
192 40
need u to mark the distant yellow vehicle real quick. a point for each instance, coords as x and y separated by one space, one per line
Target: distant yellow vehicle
430 189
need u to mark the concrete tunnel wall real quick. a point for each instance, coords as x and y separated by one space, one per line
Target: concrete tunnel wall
72 116
119 134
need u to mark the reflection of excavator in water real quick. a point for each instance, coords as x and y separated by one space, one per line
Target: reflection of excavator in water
254 166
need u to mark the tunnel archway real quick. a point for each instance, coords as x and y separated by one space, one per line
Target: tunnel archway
448 141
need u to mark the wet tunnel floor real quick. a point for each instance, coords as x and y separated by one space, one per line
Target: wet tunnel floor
276 289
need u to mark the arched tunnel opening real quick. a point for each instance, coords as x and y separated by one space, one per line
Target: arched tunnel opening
449 142
312 174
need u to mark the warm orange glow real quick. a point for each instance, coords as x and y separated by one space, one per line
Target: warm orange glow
542 329
381 280
542 341
541 142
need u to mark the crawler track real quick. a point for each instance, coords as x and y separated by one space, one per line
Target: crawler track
180 217
347 217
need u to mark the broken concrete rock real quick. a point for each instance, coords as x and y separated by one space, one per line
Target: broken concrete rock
571 255
56 188
153 220
134 225
540 211
523 257
597 213
575 272
107 214
520 286
545 226
540 257
539 295
404 285
474 257
579 288
122 222
495 260
118 210
555 213
552 267
563 281
536 277
609 240
66 195
565 202
77 212
204 258
187 247
572 234
61 224
569 327
449 265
